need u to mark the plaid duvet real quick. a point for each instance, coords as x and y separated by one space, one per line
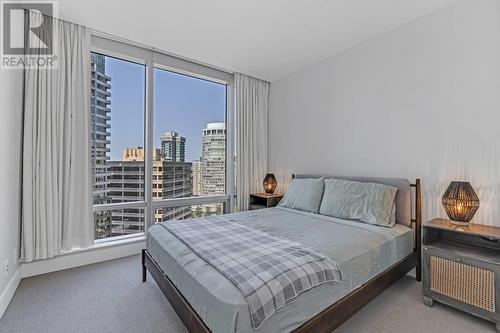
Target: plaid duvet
268 270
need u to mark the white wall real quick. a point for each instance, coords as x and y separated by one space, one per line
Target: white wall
11 88
420 101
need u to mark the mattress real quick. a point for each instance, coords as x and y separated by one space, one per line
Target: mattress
361 250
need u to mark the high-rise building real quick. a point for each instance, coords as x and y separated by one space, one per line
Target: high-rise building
172 180
173 147
100 117
197 177
138 153
213 169
126 183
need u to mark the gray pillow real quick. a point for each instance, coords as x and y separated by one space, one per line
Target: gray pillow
367 202
304 194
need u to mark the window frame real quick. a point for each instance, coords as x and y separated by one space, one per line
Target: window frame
152 58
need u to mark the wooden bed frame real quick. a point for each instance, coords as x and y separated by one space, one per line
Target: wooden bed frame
328 319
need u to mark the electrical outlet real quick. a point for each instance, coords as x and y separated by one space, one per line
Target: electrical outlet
6 268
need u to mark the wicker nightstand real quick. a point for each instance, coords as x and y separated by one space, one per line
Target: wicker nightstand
462 267
264 200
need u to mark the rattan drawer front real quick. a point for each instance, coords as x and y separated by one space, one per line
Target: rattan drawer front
465 283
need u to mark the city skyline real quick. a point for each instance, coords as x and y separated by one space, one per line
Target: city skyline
119 155
182 103
157 150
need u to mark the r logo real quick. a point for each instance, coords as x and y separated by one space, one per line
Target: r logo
17 16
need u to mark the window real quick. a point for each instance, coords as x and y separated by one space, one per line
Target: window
117 111
124 222
159 138
189 141
190 211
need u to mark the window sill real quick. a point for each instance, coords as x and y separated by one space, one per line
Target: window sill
102 251
115 242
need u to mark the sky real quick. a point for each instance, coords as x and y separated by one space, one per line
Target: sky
181 103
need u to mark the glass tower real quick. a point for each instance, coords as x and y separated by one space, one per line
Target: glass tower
100 146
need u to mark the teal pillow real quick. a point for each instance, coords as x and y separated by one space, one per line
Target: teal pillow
366 202
304 194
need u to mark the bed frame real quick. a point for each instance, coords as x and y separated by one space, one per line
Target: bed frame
328 319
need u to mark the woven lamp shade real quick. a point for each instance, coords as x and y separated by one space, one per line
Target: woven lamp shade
270 183
460 202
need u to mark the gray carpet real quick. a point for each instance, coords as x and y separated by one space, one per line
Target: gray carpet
109 297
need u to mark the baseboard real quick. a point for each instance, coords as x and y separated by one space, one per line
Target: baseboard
98 253
9 291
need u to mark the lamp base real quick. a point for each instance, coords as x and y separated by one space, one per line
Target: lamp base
459 222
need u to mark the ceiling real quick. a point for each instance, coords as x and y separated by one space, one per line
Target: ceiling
269 39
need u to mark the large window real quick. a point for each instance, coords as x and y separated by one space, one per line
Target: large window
189 143
159 139
117 132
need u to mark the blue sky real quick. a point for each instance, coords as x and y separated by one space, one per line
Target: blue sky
181 103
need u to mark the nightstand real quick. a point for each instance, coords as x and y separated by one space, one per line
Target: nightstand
264 200
462 267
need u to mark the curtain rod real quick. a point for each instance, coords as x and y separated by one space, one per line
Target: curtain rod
116 38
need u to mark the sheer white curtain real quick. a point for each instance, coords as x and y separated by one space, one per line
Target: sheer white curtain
252 108
56 199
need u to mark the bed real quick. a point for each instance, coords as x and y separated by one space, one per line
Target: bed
370 258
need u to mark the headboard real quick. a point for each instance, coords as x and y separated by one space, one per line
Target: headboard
403 195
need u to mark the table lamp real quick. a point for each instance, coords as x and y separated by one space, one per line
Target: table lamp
270 183
460 202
